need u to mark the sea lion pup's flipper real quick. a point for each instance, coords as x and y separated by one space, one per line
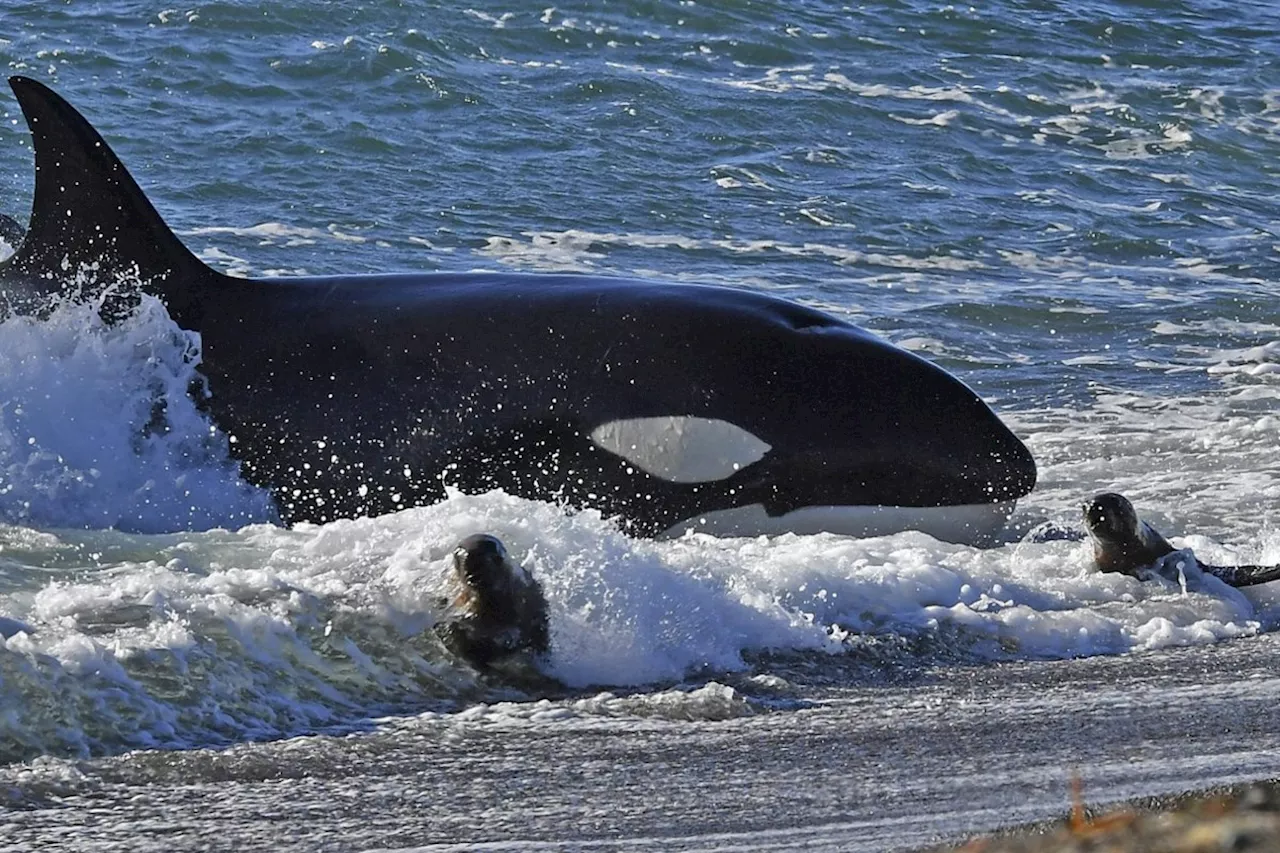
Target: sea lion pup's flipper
1239 576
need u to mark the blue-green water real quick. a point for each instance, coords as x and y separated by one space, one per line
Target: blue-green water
974 175
1070 205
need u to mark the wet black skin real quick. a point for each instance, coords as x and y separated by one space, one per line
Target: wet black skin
1124 543
10 231
499 612
361 395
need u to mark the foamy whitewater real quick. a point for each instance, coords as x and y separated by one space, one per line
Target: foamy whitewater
1073 209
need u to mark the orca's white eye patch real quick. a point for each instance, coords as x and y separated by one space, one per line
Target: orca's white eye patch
681 449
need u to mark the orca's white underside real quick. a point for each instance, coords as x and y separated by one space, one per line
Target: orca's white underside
969 524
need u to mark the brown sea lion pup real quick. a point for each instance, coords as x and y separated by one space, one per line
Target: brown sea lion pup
498 610
1124 543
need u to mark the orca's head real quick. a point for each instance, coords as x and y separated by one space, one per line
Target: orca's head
787 419
1111 518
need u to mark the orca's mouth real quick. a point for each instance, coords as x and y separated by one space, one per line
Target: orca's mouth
980 525
813 493
783 484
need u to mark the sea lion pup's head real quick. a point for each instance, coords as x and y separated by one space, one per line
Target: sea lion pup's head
499 609
1110 517
1122 542
481 565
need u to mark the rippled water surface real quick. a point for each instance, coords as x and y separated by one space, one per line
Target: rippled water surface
1072 206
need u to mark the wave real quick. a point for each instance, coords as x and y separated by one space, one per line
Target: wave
214 638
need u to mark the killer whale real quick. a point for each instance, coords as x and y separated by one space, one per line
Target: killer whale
665 405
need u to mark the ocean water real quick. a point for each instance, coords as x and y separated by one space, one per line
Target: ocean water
1069 205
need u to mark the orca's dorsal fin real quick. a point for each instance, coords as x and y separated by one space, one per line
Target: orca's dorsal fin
89 213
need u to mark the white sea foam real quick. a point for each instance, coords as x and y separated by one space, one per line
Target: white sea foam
710 701
267 631
580 250
1144 145
276 233
941 119
97 428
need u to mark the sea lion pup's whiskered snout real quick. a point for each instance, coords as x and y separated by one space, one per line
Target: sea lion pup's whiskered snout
1124 543
499 609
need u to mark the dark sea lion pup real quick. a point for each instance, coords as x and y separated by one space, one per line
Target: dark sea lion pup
498 610
1124 543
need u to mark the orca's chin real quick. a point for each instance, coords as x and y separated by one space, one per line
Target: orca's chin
967 524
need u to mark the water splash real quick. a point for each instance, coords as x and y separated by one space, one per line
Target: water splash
97 428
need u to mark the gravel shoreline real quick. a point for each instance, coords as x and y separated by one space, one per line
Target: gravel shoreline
1237 817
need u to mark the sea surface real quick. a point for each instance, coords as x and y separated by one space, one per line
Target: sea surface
1071 205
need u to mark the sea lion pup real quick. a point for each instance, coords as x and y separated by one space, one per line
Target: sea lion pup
1124 543
499 609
